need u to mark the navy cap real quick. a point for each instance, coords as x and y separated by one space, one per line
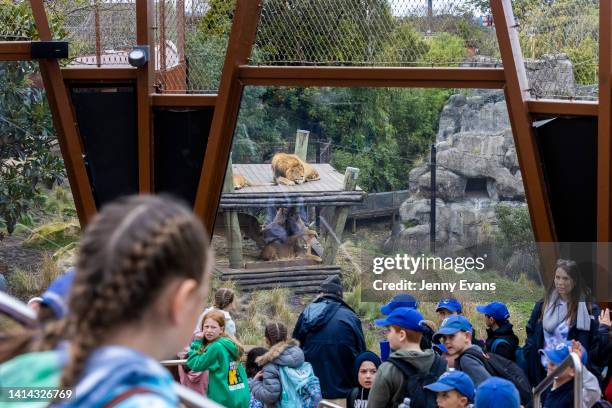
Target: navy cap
454 380
497 392
401 300
559 352
496 310
403 317
451 325
452 305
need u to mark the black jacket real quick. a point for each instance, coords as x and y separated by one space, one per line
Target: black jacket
535 341
502 341
330 334
358 398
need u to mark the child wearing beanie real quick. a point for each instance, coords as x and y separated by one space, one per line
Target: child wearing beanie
366 365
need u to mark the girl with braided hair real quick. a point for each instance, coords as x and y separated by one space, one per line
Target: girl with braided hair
142 271
219 353
266 385
224 301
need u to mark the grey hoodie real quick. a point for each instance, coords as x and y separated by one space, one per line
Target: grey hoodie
268 390
473 367
389 385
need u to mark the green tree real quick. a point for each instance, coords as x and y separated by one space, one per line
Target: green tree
27 138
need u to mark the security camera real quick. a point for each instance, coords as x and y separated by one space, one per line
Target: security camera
139 56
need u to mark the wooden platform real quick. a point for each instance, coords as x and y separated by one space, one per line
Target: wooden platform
328 191
300 279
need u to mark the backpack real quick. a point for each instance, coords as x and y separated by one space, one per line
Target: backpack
416 380
300 387
602 404
499 366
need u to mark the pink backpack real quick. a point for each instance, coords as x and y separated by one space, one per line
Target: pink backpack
195 380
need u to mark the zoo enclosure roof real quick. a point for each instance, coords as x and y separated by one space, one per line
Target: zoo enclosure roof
328 191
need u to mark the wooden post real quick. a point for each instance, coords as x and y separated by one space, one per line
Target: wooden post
301 143
334 235
233 238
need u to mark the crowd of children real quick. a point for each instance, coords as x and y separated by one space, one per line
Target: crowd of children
138 287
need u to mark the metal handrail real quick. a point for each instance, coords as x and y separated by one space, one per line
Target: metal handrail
573 360
192 399
17 310
172 363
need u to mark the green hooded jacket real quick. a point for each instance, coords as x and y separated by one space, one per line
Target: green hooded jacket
227 380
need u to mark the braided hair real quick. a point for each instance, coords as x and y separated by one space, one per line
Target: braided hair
223 298
129 252
275 332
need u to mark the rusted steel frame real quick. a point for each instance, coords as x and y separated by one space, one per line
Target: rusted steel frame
15 50
604 148
373 77
144 88
98 74
180 100
98 35
557 107
65 123
242 37
517 93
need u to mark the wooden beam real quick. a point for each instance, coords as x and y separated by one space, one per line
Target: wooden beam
64 123
604 151
562 108
144 88
103 74
182 100
524 137
373 77
242 37
15 51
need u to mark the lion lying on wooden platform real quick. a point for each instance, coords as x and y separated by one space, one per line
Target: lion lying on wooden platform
289 169
287 237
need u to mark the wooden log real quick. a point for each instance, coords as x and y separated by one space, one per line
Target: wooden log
273 285
281 200
301 143
279 275
247 205
281 264
281 280
293 194
231 271
334 234
233 236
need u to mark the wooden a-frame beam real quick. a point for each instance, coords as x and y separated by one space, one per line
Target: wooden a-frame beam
604 152
517 95
64 123
242 37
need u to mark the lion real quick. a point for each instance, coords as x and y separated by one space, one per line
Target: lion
240 181
296 246
289 169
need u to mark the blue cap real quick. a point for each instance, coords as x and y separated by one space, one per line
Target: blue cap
451 325
401 300
454 380
496 310
403 317
452 305
558 353
496 392
439 348
56 295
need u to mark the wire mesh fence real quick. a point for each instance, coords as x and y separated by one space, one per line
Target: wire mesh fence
559 38
374 33
560 42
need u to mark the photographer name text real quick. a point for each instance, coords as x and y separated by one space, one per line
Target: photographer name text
423 285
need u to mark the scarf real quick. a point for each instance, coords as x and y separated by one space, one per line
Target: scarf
556 312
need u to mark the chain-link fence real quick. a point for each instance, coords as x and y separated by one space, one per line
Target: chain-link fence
559 38
560 42
374 33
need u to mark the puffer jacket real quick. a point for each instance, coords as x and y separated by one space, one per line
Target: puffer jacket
268 390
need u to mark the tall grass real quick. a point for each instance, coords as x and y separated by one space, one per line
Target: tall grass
27 284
